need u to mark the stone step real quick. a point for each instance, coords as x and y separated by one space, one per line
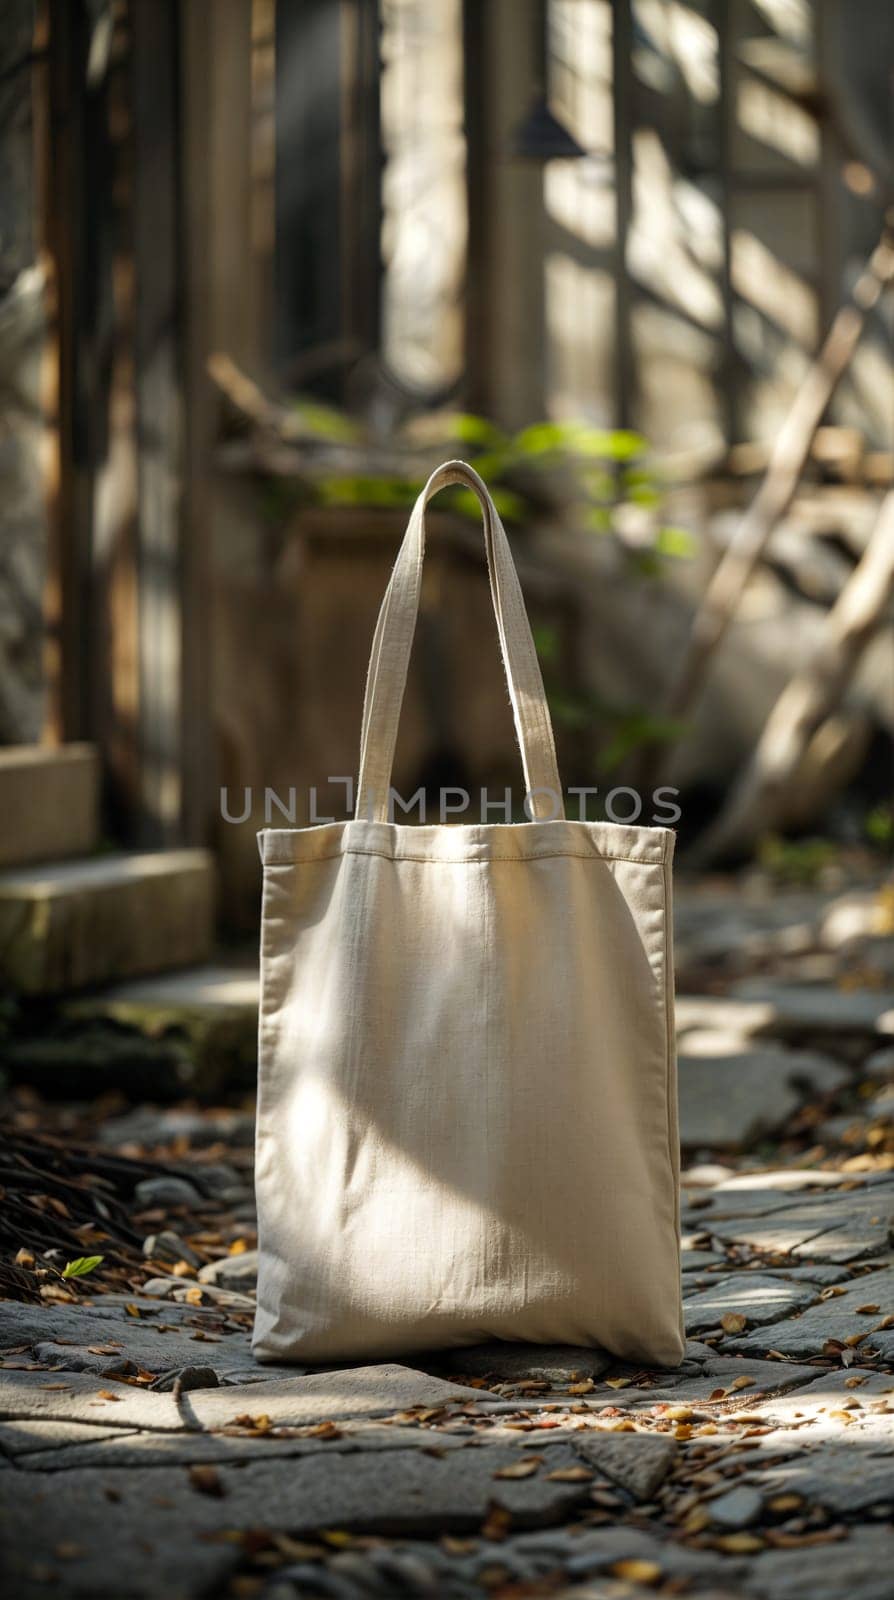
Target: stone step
77 924
48 803
210 1013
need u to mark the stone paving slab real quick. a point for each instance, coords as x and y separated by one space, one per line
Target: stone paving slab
858 1566
162 1338
819 1008
721 1372
833 1227
841 1317
48 1438
292 1401
858 1397
843 1477
731 1096
419 1493
125 1448
761 1193
754 1295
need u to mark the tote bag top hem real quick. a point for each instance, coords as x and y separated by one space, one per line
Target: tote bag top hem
455 842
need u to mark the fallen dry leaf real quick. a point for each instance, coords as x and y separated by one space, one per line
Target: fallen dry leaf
259 1424
106 1394
586 1386
785 1502
570 1475
457 1547
520 1469
634 1570
696 1521
743 1382
867 1311
618 1383
738 1544
207 1480
798 1541
497 1522
324 1430
733 1322
295 1549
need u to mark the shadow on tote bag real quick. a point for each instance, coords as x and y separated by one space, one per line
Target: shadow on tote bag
467 1122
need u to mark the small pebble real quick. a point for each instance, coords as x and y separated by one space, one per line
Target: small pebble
737 1509
169 1246
167 1191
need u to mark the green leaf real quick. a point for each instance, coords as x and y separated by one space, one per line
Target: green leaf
676 542
638 478
607 444
543 438
597 483
880 825
643 494
81 1266
638 728
644 562
469 429
510 506
325 422
491 465
570 710
546 641
795 860
623 445
362 490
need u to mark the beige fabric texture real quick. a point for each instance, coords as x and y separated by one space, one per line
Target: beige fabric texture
467 1124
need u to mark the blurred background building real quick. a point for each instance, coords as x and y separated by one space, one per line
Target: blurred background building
264 262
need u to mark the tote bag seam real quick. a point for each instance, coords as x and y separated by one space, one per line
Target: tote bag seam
670 1081
468 861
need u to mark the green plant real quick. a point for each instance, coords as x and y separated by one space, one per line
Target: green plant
879 827
602 478
796 861
80 1267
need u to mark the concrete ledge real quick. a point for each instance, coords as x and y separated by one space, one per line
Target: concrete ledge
48 803
82 923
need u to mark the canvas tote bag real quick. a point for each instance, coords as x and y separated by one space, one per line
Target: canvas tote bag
467 1106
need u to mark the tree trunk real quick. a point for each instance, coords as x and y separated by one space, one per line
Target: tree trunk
736 565
759 799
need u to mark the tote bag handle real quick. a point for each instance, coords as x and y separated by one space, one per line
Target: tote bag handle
393 642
